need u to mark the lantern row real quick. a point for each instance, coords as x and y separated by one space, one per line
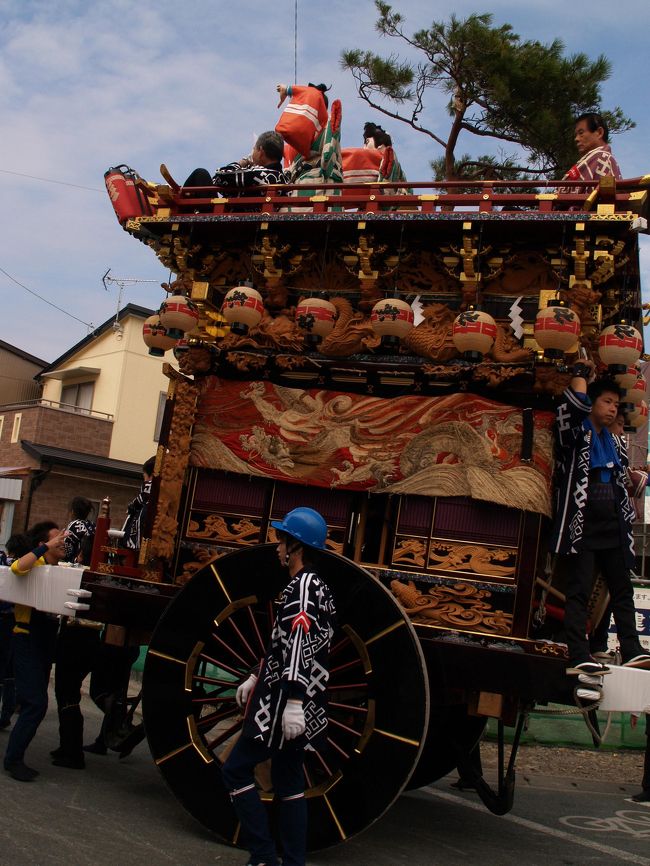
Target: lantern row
556 331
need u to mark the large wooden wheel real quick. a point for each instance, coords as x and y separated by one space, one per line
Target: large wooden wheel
212 636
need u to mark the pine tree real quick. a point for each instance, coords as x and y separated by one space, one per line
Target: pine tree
499 87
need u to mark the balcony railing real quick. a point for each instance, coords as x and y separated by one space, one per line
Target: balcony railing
53 404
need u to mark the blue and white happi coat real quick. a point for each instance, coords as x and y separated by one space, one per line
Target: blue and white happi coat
296 662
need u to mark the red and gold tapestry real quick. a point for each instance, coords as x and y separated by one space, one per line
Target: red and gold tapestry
456 445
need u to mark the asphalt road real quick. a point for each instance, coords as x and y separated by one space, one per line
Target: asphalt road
120 812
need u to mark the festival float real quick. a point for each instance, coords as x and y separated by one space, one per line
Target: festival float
391 357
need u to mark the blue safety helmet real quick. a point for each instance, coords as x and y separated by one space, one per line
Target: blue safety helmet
305 525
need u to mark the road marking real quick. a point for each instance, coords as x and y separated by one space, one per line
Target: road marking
541 828
624 821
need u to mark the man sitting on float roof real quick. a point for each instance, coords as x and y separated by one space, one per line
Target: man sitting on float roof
262 167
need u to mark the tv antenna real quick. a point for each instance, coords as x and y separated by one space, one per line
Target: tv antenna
121 282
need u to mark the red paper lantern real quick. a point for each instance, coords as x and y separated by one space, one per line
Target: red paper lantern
473 333
316 317
628 378
557 329
242 308
637 393
179 315
638 418
155 336
620 346
391 319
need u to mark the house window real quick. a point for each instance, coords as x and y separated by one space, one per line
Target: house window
2 424
162 400
15 431
78 398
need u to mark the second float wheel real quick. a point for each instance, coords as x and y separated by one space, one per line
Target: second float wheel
213 635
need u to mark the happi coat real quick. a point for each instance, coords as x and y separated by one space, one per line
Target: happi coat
296 662
572 479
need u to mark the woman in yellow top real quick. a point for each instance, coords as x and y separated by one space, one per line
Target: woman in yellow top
33 650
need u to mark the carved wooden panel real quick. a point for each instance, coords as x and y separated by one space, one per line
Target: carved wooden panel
456 605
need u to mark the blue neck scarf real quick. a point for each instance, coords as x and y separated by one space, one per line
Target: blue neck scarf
603 454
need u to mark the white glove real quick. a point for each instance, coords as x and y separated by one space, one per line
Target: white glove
293 720
245 690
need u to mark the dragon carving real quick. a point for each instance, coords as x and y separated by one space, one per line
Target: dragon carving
272 332
506 348
432 337
351 334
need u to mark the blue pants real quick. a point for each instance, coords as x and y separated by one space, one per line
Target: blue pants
288 780
33 654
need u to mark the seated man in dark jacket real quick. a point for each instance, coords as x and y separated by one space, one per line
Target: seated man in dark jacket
262 167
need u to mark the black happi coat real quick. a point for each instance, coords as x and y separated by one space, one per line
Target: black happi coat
255 175
79 539
572 480
296 662
136 514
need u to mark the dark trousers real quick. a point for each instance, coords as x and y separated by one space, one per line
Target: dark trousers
81 651
77 651
580 568
288 780
199 177
33 654
109 682
645 783
7 683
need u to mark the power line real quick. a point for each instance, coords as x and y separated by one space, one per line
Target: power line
49 180
41 298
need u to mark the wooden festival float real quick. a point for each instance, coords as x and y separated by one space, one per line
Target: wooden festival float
390 357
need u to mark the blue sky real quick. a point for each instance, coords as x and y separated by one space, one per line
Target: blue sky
88 85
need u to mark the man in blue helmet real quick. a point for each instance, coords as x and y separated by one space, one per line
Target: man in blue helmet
286 706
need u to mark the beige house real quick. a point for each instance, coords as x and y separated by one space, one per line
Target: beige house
110 375
89 432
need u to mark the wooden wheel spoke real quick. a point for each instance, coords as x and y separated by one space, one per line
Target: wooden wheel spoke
229 684
346 687
341 645
243 639
343 727
352 708
260 640
232 651
308 780
351 664
217 699
212 718
338 748
224 666
322 762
